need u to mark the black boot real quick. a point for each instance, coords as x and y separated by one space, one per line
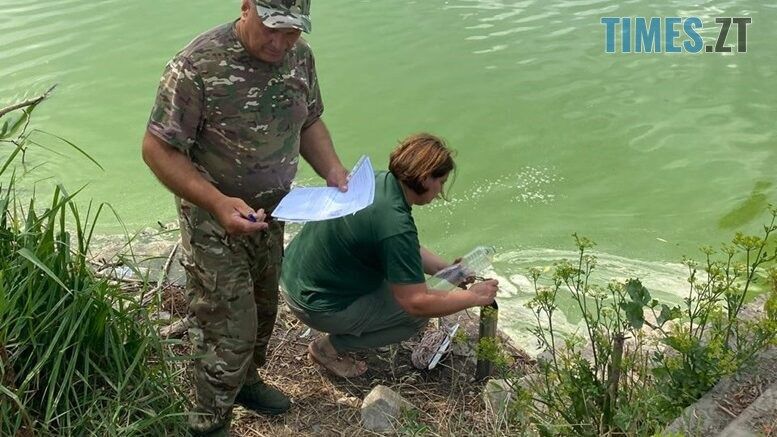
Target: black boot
262 398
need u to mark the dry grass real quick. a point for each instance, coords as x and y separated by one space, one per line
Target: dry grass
448 400
745 395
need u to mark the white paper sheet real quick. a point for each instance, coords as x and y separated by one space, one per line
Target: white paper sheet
308 204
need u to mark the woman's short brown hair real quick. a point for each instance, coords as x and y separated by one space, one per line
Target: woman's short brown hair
418 157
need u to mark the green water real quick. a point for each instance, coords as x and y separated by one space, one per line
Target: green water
651 155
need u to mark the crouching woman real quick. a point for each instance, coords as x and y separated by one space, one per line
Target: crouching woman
360 278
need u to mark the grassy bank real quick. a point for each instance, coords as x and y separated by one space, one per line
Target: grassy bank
78 356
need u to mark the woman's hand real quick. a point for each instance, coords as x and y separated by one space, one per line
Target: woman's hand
484 292
469 279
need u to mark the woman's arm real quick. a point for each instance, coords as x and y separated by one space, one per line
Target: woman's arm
432 263
417 300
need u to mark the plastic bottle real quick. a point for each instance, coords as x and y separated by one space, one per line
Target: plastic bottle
474 263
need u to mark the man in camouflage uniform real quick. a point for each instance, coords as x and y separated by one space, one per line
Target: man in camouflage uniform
234 110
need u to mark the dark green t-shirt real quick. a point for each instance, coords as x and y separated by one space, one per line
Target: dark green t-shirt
331 263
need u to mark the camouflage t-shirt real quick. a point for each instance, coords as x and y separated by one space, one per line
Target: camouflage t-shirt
238 118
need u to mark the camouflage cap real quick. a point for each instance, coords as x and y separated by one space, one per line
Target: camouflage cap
285 13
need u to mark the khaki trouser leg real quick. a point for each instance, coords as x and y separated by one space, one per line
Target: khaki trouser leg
373 320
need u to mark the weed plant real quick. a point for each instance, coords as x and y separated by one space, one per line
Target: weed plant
636 363
78 356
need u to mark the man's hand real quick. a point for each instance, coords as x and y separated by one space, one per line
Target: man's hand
485 291
237 218
315 145
338 177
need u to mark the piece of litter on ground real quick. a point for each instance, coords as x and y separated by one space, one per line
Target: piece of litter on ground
349 401
161 315
444 346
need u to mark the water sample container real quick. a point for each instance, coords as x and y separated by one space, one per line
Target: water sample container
474 263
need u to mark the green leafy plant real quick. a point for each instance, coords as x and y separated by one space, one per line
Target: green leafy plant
637 362
715 340
490 349
410 423
587 378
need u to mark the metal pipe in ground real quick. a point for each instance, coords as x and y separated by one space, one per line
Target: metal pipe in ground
487 329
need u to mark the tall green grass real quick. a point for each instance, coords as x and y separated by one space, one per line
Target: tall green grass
78 356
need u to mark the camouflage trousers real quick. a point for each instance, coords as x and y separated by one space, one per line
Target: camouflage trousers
232 283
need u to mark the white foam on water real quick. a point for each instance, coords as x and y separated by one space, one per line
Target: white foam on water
667 282
529 185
